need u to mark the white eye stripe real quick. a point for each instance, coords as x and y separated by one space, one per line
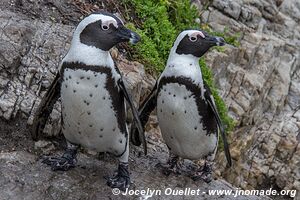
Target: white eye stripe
106 24
201 34
196 33
117 15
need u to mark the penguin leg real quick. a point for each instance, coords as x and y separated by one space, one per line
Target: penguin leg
171 166
66 161
205 172
121 178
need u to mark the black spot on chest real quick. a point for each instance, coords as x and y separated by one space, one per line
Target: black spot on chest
116 96
206 114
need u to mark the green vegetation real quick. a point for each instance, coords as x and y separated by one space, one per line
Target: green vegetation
160 23
222 108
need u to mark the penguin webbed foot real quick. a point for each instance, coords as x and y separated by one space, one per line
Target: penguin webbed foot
65 162
121 179
171 166
204 173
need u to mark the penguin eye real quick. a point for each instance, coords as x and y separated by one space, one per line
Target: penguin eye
105 27
193 39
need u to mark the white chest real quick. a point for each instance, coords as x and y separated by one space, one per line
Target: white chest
180 123
88 112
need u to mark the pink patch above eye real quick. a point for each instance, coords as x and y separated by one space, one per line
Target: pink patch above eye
108 22
195 34
119 17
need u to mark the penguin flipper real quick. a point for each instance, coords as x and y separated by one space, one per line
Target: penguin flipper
210 100
137 121
45 107
145 109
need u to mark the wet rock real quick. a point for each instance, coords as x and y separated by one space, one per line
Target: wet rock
23 176
46 147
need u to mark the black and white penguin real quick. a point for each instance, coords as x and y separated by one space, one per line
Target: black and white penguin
187 115
93 96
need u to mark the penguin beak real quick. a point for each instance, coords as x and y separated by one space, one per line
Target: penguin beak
126 35
220 41
217 41
134 37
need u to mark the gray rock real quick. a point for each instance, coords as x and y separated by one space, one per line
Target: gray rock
260 82
23 176
230 7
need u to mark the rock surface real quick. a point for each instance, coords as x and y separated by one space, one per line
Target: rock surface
23 176
29 179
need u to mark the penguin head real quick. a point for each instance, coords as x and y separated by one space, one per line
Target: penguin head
196 43
103 30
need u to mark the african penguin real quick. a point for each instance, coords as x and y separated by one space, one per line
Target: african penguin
186 111
93 96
